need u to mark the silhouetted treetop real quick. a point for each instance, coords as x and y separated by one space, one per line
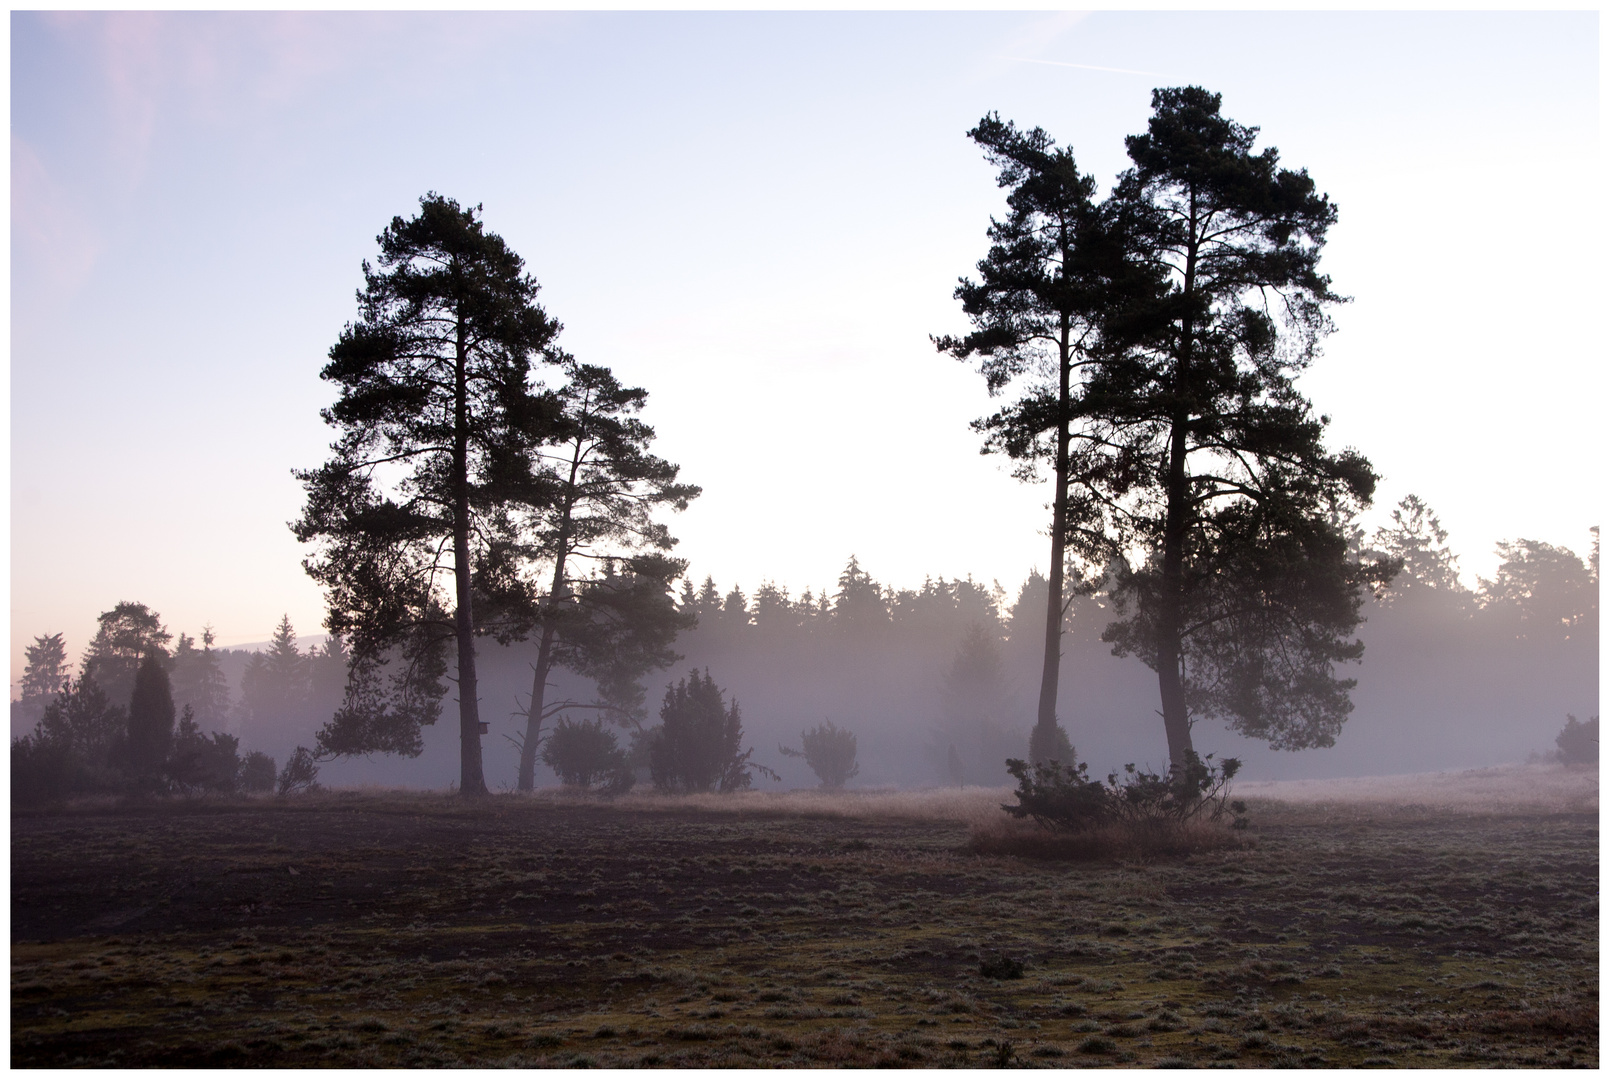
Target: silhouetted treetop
46 671
126 634
1545 593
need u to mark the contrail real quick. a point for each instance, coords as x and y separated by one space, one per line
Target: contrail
1086 67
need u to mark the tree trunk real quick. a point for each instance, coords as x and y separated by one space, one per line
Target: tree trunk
534 718
472 781
1045 722
1170 680
539 678
1176 524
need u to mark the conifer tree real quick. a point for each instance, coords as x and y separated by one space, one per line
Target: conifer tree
698 745
199 681
126 635
1051 297
46 670
1245 598
602 599
438 415
150 719
275 687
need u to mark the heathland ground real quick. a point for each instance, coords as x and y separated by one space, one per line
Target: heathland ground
1427 921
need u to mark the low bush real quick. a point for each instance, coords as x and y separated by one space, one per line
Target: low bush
200 762
586 753
830 752
301 773
1140 813
257 772
1001 967
1063 797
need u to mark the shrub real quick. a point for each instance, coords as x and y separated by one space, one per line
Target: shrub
1049 744
1063 797
1579 742
301 773
203 762
586 752
77 747
257 772
830 752
39 770
698 744
1001 967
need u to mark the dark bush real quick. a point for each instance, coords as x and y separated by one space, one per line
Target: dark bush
257 772
203 762
1579 742
586 753
40 770
1001 967
77 748
698 746
300 774
830 752
1063 797
1059 796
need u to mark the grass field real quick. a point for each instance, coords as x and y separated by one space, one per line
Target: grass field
1443 921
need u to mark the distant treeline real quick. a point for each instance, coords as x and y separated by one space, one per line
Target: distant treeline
1451 676
937 680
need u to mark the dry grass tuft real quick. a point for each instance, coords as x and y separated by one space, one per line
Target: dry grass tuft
1126 840
965 805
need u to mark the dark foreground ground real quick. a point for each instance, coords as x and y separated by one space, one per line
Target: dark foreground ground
362 930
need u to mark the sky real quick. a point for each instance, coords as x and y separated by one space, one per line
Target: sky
760 218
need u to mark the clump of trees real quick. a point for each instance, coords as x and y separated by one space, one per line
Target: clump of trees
1155 339
85 744
698 744
830 752
464 498
89 741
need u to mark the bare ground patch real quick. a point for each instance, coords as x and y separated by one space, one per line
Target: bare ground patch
405 930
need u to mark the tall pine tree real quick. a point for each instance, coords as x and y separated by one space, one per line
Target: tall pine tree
1245 599
1050 298
437 411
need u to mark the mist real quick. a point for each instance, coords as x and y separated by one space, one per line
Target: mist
1445 683
1450 679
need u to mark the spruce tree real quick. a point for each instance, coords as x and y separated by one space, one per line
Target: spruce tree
46 671
198 680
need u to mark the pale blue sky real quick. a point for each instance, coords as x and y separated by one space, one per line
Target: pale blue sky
760 218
